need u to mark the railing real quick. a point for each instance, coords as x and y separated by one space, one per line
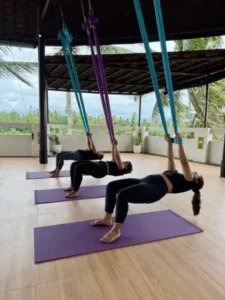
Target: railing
199 143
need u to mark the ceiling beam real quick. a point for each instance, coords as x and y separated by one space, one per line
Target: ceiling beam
94 82
140 61
94 92
131 69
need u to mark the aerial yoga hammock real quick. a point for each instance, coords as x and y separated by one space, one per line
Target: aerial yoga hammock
89 26
115 167
153 187
78 155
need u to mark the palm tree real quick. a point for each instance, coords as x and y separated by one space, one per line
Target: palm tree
181 109
216 90
15 69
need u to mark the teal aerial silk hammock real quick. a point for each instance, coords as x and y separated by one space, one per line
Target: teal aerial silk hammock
165 59
66 39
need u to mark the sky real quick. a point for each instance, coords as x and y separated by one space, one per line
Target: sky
13 92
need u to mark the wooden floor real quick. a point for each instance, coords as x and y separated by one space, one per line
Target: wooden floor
190 267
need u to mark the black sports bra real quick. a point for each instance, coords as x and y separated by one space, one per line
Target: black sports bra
180 184
111 168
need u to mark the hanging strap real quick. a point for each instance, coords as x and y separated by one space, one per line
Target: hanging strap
66 39
100 85
150 62
101 76
165 58
90 27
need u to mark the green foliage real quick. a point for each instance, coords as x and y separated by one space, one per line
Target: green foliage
137 140
54 138
56 118
15 69
193 115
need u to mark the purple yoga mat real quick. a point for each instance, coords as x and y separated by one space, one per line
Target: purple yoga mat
45 174
58 195
66 240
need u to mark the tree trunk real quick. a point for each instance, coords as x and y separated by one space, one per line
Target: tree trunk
69 112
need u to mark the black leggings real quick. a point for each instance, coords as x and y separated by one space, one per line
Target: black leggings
69 155
80 168
147 190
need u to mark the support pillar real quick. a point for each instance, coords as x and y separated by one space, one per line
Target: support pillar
47 103
43 152
206 104
139 114
222 169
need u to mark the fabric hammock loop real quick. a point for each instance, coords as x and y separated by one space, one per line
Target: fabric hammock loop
66 39
69 40
165 59
91 10
150 61
65 49
89 26
100 86
103 77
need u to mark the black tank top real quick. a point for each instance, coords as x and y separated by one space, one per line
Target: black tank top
87 155
113 169
180 184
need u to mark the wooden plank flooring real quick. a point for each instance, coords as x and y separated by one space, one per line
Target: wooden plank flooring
190 267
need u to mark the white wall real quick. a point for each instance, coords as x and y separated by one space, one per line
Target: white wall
102 142
23 145
156 145
15 145
215 152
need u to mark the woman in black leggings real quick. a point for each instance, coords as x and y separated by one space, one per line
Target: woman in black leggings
97 169
149 190
78 155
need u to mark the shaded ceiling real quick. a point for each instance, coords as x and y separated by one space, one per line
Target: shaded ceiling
129 73
117 20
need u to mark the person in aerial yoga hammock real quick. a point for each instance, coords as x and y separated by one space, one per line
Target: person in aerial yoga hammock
149 190
79 155
116 167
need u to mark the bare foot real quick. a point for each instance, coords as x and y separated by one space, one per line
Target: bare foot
52 172
110 236
69 189
56 174
72 194
102 222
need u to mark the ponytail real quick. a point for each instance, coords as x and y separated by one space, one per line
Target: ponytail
196 202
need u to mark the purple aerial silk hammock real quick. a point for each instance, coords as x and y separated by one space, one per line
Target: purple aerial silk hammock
99 72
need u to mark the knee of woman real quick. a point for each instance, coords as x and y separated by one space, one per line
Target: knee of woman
111 186
73 165
122 195
77 168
